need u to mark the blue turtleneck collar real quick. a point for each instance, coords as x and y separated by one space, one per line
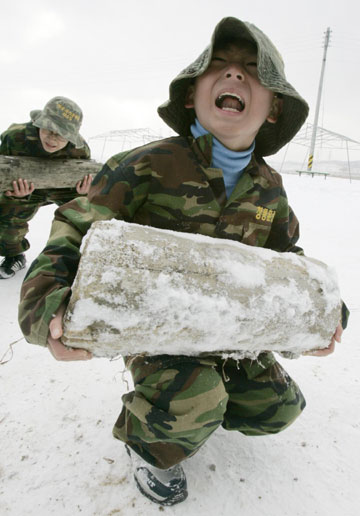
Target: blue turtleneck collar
231 162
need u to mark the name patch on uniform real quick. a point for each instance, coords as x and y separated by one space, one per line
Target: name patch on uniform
265 214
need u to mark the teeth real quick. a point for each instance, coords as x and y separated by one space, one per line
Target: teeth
232 95
226 94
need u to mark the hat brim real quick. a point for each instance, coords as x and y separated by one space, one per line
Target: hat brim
46 122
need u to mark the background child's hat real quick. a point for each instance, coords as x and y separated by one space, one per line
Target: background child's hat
271 137
62 116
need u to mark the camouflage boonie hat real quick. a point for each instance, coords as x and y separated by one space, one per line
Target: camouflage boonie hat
62 116
271 137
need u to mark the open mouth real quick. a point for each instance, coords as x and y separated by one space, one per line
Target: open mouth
50 146
230 102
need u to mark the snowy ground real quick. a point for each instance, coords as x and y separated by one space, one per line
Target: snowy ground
58 456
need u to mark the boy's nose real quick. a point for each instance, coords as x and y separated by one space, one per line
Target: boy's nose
235 71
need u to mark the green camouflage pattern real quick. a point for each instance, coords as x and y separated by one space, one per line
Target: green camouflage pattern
178 402
23 140
15 213
61 116
167 184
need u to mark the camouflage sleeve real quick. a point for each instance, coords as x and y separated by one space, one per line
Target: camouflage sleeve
345 314
115 193
81 153
4 145
13 141
87 152
48 281
84 151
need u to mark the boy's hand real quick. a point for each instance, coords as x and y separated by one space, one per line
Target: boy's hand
83 187
56 347
331 348
21 188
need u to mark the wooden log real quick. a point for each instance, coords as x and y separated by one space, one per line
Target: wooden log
144 290
45 173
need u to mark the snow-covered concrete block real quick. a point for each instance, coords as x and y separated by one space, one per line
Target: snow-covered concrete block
145 290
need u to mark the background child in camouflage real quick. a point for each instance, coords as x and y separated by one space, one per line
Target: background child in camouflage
52 133
231 107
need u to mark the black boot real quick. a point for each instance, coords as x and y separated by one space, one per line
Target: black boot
11 264
163 486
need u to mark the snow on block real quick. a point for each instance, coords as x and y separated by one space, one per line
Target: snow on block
144 290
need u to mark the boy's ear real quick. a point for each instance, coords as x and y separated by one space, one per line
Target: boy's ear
189 97
275 110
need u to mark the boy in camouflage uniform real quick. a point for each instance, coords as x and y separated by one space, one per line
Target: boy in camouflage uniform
231 107
53 134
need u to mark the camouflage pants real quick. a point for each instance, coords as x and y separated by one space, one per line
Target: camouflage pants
15 213
178 402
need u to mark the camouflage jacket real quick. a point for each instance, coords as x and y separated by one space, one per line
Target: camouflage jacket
166 184
23 140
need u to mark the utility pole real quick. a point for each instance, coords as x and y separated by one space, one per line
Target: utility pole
316 118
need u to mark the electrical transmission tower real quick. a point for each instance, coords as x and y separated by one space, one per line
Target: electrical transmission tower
127 138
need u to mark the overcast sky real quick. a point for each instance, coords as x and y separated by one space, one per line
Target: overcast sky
116 58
